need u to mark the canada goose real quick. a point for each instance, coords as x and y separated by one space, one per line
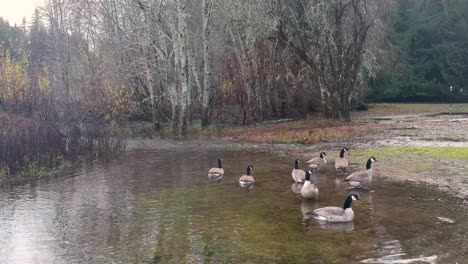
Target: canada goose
361 179
247 180
216 173
309 190
335 214
318 162
297 174
341 164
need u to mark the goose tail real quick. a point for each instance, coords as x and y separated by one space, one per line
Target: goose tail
318 217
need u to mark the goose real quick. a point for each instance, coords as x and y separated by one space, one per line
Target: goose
335 214
298 175
309 190
341 164
318 162
247 180
216 173
361 179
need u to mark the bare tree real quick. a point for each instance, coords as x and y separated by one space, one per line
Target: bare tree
331 37
207 67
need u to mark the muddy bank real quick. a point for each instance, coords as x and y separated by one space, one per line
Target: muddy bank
389 130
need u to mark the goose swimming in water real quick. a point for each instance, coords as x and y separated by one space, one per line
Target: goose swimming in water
341 164
298 175
361 179
335 214
318 162
216 173
309 190
247 180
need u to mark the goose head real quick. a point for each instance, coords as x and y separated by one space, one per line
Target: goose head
323 155
369 163
342 152
307 176
249 168
349 200
296 164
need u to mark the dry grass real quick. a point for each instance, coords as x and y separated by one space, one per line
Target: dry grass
363 128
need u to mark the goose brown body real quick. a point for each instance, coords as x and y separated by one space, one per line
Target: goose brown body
216 173
361 179
298 175
247 180
318 162
335 214
341 164
309 190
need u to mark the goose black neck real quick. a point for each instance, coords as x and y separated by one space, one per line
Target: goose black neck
321 155
342 153
296 164
347 202
219 164
307 177
369 164
248 171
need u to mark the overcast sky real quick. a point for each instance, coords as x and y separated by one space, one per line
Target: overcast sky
15 10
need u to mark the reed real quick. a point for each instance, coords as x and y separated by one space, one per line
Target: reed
31 147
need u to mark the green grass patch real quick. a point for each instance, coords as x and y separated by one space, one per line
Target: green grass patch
460 107
460 153
197 131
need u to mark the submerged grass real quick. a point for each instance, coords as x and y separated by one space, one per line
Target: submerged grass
246 231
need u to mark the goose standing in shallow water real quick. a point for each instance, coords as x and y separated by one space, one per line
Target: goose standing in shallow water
361 179
309 190
297 174
216 173
247 180
335 214
341 164
318 162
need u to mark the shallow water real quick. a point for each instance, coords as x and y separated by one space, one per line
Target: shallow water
157 206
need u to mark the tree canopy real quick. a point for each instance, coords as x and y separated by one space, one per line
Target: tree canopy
428 41
175 62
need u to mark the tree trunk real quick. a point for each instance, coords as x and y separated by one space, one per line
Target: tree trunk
174 107
340 107
207 67
152 90
184 79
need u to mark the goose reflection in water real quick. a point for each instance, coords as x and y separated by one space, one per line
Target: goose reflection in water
296 187
346 226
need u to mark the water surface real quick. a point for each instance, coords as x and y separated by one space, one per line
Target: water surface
155 205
